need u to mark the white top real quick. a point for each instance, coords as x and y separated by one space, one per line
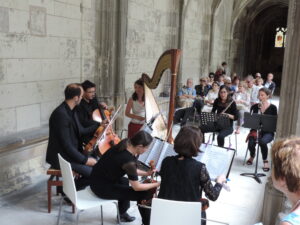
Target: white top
253 94
242 96
139 110
211 95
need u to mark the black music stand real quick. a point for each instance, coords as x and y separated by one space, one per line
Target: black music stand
260 123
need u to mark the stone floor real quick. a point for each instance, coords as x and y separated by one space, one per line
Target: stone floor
241 206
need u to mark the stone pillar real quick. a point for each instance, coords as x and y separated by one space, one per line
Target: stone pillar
288 119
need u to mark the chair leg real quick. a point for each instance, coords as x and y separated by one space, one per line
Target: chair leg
77 216
49 196
118 213
101 214
59 212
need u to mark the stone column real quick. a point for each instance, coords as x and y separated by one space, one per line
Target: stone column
288 119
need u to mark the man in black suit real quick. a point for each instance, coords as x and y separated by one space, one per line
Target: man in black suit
65 132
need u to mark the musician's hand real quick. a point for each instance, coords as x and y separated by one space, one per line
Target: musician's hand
103 105
221 179
91 161
150 172
104 122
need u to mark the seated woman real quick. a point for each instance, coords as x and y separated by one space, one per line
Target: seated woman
286 175
225 104
182 176
107 178
202 88
266 108
242 100
211 97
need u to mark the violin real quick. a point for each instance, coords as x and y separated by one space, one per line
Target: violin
109 137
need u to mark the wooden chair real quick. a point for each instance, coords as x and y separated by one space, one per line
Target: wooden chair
54 180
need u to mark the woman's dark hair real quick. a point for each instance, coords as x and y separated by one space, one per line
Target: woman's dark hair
229 97
134 96
140 138
188 141
267 91
211 74
215 82
87 84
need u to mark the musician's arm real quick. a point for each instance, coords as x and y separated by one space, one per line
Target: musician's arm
144 173
137 186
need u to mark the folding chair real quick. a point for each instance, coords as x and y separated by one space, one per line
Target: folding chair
84 199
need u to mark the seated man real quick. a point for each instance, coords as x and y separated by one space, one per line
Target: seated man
202 89
187 94
86 108
65 131
270 83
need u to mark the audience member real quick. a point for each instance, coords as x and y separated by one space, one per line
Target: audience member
210 80
252 90
202 89
270 83
211 97
259 83
286 175
242 100
235 83
187 94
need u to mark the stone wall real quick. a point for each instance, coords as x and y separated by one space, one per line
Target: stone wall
44 46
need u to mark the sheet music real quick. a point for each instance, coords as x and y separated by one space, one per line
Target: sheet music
155 151
217 160
167 150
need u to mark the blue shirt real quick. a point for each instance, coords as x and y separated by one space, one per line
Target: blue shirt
292 218
187 91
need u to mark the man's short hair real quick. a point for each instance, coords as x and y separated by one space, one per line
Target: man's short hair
188 141
224 64
286 158
87 84
72 90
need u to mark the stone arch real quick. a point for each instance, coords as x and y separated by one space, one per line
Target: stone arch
251 19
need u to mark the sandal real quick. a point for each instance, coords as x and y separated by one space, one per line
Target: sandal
249 161
266 169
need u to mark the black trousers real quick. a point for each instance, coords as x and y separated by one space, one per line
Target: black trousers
222 134
122 192
263 143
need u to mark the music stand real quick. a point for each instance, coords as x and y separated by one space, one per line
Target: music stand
259 122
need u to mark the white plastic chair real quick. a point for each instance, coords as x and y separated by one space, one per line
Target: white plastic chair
84 199
175 212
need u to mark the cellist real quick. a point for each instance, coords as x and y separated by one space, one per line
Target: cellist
87 106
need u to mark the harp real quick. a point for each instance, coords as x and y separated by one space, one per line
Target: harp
168 60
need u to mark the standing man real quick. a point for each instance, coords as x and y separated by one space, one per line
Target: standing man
65 132
270 83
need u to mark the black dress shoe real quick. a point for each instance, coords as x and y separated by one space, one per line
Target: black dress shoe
126 218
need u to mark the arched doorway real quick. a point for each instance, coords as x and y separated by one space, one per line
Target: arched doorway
254 31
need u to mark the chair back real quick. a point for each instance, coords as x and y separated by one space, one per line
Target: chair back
178 213
68 179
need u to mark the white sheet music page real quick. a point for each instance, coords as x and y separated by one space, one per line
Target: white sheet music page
216 159
167 150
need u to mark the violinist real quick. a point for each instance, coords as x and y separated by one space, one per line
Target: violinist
87 106
65 132
135 108
182 177
107 178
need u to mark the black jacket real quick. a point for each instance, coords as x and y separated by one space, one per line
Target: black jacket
65 132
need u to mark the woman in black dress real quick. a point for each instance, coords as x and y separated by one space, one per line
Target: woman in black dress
107 178
266 108
220 104
182 177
